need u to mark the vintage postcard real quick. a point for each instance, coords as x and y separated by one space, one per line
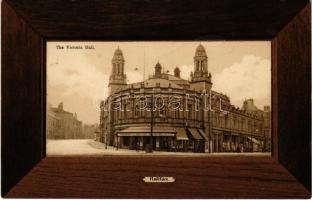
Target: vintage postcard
158 98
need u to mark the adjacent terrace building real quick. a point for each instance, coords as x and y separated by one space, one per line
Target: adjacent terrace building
62 124
170 113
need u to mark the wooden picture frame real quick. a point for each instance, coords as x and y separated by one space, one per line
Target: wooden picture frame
26 27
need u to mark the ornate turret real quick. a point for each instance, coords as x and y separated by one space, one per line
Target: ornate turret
177 72
267 108
201 79
200 61
249 105
158 70
60 106
117 79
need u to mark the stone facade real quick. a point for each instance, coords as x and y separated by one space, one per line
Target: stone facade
62 124
174 114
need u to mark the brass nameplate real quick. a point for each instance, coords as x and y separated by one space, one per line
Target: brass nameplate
158 179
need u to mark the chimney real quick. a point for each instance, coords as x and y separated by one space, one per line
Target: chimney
267 109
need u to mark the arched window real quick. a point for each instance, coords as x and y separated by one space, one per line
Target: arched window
136 110
177 113
162 111
197 111
201 65
120 68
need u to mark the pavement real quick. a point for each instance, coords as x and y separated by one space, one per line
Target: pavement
89 147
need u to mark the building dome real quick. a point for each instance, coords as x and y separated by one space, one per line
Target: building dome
177 72
158 66
200 51
118 55
158 70
249 105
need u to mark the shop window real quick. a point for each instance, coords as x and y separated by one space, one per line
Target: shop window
126 141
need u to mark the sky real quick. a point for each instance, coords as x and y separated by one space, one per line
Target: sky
79 77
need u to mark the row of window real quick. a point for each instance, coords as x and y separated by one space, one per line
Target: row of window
176 113
236 123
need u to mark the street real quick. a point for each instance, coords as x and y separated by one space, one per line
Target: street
77 147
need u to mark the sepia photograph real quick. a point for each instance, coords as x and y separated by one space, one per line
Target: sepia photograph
158 98
164 99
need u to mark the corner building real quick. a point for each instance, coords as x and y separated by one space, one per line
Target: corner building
174 114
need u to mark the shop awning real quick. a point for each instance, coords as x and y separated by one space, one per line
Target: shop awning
164 134
146 131
181 134
133 134
203 134
195 134
254 140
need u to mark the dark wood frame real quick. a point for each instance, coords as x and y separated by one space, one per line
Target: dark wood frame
28 24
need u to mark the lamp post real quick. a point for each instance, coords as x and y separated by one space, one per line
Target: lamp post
152 120
257 131
209 123
209 132
251 143
151 107
106 138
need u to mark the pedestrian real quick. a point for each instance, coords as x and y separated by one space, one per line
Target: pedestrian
137 146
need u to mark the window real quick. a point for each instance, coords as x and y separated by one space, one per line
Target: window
136 111
249 126
119 114
162 111
226 121
197 111
189 108
125 111
260 128
142 112
234 122
177 113
256 130
125 141
242 124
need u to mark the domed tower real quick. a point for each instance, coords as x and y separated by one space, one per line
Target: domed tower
60 106
200 61
117 79
177 72
201 79
158 70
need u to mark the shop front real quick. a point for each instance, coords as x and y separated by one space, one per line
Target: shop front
163 138
196 142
